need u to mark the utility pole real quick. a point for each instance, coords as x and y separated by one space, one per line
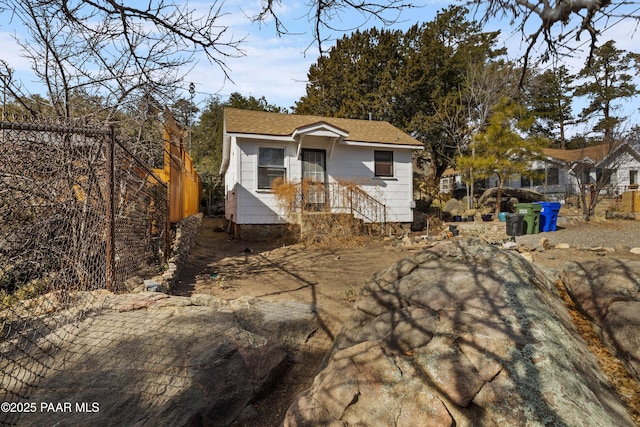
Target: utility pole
192 92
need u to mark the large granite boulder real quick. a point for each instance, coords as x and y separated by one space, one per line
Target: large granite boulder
608 292
463 334
523 195
158 360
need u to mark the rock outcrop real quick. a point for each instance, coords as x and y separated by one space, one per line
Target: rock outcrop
153 359
608 292
462 334
523 195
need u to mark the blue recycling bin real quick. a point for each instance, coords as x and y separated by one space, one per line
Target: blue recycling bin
549 215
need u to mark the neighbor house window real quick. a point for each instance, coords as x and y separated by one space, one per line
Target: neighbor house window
270 166
383 161
445 184
553 176
605 176
526 181
633 177
539 180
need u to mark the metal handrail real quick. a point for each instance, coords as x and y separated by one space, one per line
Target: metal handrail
340 197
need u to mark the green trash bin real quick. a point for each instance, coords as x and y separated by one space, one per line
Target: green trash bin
531 212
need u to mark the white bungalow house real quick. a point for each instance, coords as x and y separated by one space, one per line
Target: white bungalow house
373 157
562 172
611 168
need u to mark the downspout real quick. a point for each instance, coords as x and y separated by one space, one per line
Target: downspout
226 154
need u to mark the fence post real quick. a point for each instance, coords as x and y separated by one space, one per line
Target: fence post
167 227
110 223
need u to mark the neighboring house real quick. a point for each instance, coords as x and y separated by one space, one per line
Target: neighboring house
259 147
611 168
561 172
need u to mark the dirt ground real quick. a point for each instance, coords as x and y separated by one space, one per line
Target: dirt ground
328 279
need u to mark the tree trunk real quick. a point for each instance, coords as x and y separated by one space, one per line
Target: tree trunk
586 207
499 195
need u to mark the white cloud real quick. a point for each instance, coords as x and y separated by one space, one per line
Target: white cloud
275 68
11 53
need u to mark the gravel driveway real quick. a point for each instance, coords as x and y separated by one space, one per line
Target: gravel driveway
597 233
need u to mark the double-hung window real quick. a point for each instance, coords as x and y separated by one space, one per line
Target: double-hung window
270 166
383 163
553 176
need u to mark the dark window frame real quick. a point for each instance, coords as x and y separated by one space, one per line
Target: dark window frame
553 176
268 170
383 163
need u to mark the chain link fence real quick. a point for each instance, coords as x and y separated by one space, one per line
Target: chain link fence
79 215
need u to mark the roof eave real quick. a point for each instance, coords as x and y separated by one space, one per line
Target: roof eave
383 144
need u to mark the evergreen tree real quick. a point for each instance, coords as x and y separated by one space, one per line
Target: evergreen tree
550 95
502 150
607 80
356 80
402 78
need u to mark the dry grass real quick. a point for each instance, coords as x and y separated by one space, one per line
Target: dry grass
323 228
334 231
625 386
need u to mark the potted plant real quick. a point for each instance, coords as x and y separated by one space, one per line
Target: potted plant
469 215
487 216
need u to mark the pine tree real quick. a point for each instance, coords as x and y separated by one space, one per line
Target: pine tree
503 149
401 77
607 80
550 95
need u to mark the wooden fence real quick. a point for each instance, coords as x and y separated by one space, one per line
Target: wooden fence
185 186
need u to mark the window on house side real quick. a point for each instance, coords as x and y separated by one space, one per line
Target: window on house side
553 176
270 166
633 177
383 163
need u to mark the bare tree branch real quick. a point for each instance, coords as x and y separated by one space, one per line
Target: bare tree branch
559 19
120 53
324 14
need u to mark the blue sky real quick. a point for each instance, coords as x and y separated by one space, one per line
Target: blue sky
276 66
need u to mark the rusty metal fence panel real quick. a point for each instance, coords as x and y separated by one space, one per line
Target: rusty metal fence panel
141 236
79 214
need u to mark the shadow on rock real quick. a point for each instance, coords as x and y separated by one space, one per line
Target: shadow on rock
462 334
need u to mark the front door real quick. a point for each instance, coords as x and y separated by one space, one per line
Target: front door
314 190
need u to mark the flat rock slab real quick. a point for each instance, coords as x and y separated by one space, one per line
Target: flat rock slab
463 334
151 359
608 292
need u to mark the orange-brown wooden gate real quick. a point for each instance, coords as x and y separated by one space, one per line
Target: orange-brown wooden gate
185 186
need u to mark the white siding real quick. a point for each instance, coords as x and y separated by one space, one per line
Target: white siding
257 206
563 186
356 164
344 163
230 183
625 164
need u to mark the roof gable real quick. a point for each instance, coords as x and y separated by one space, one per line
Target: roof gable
275 124
592 154
321 129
